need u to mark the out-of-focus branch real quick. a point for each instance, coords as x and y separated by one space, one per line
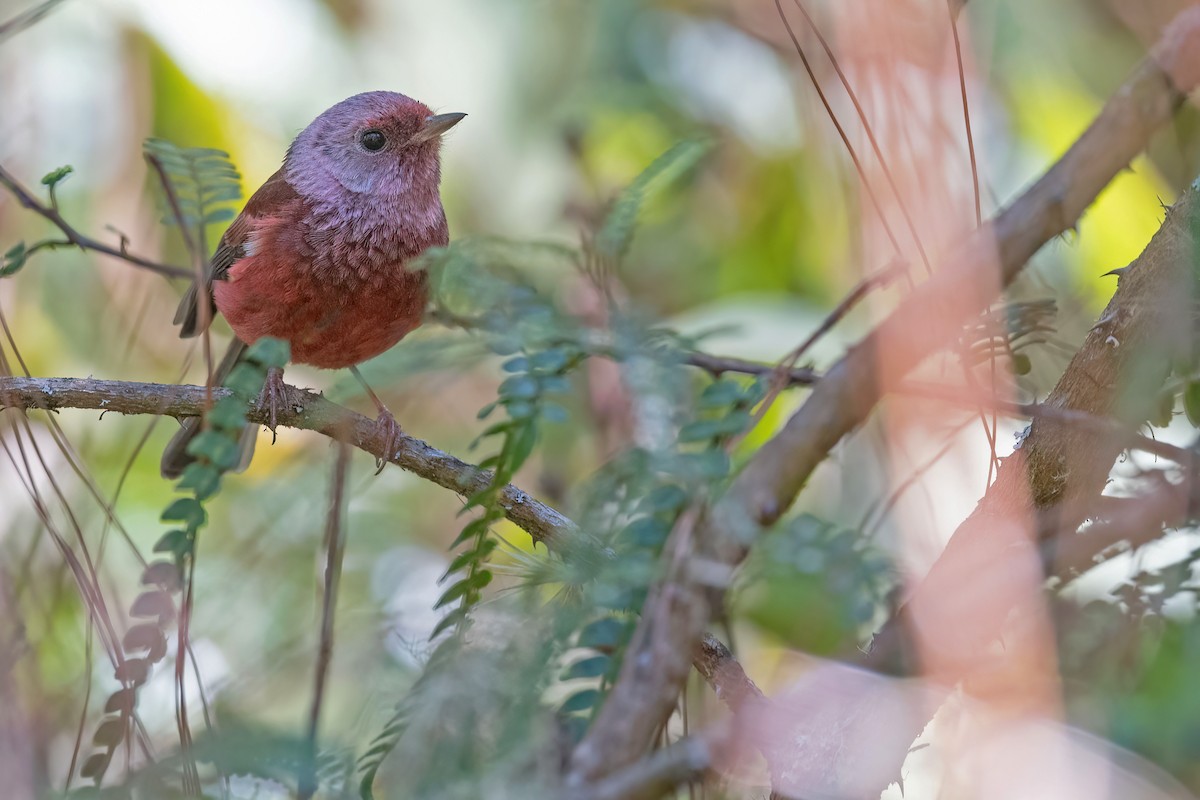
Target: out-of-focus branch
304 411
661 772
1128 524
74 237
927 321
20 22
722 671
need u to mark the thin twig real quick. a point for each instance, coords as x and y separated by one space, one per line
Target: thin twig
27 200
199 267
862 173
335 548
26 19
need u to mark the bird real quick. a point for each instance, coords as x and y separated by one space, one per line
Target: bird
321 254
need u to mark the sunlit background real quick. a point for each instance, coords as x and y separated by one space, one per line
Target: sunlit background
567 102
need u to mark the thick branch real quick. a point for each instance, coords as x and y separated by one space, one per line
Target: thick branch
927 321
304 411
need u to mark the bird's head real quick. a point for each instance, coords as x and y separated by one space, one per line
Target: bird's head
383 144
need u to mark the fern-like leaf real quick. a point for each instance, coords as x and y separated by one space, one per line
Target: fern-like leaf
617 231
203 181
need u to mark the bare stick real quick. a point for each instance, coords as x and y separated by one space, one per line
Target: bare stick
335 548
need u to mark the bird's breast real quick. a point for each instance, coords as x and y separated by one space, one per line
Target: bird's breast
337 298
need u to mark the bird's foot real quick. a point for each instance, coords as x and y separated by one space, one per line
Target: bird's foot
273 398
387 429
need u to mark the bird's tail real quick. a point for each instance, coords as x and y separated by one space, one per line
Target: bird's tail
175 457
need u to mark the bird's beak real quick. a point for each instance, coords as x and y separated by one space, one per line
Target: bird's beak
435 126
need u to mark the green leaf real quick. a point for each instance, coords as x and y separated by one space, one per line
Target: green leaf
649 532
221 194
270 352
57 176
120 702
580 701
703 430
666 498
204 479
109 733
134 670
518 387
520 409
164 574
720 394
156 604
478 554
453 593
229 414
96 765
706 465
474 528
245 381
617 231
148 637
522 445
554 384
1166 410
455 617
551 360
14 259
177 542
1191 402
186 510
603 634
592 667
219 215
218 448
518 364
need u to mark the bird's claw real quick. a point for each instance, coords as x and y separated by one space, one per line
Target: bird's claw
389 431
274 395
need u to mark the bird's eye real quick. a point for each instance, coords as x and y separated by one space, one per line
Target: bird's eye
373 140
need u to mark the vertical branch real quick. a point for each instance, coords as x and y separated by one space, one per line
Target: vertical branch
962 85
335 546
191 774
199 265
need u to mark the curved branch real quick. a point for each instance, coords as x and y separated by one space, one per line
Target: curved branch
304 411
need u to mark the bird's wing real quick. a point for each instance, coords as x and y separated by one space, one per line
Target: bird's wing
270 199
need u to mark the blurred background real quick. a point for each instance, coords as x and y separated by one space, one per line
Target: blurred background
568 101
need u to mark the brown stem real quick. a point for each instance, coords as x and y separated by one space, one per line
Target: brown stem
303 410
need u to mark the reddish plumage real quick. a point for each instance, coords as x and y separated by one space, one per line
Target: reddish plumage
319 256
336 298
